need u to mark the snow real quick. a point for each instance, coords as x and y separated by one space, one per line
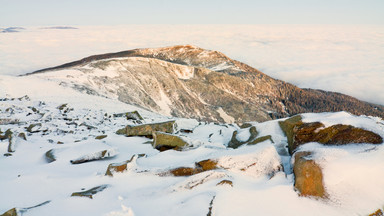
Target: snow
352 174
164 103
227 118
221 66
185 72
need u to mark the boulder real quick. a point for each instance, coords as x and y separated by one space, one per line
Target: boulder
245 125
95 156
208 164
225 182
185 171
379 212
201 166
6 135
34 128
260 140
50 156
308 176
299 133
7 121
22 136
121 167
89 193
11 141
135 115
12 212
343 134
165 141
287 127
147 129
100 137
235 143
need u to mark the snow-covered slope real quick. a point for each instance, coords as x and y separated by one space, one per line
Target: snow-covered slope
250 180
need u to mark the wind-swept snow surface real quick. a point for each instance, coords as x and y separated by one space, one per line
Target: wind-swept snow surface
62 125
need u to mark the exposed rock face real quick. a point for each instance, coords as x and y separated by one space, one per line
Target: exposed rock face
308 176
299 133
187 81
147 129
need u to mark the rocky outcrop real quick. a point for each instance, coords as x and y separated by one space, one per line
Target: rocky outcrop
147 129
299 133
164 141
91 192
191 82
308 176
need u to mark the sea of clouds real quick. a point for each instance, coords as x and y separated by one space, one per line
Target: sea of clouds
346 59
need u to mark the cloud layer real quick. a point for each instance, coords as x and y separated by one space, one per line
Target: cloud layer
346 59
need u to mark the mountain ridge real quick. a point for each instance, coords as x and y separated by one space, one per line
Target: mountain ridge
214 87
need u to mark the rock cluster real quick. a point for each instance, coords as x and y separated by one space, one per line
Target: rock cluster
308 174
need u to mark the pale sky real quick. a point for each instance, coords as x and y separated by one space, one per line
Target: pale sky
121 12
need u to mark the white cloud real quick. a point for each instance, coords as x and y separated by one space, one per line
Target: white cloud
346 59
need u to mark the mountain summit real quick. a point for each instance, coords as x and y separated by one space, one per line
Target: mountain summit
191 82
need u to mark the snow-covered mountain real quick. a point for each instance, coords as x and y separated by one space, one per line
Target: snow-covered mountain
70 152
191 82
